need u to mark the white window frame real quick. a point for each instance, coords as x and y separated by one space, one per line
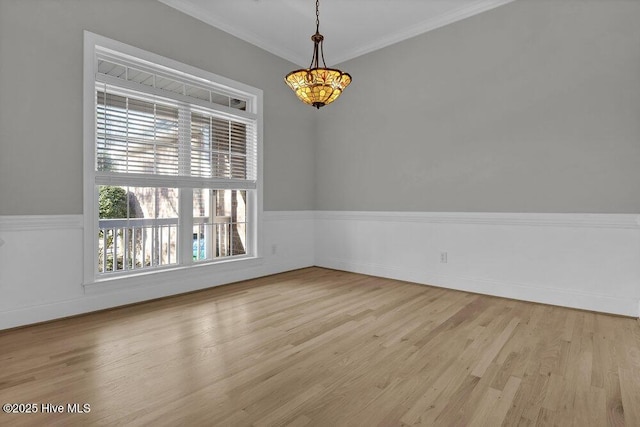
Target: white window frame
93 43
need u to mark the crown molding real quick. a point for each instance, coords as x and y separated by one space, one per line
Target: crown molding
199 13
423 27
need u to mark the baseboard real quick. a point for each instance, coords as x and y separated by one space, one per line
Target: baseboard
585 261
525 292
112 298
55 289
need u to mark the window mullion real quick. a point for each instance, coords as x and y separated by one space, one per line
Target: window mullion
186 193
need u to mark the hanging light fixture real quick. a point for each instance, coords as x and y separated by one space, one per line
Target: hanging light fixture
314 85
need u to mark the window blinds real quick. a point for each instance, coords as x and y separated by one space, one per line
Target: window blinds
151 125
222 148
136 136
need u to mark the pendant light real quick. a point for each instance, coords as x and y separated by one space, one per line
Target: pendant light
317 86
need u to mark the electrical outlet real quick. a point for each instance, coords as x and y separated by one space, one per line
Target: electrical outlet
443 258
274 249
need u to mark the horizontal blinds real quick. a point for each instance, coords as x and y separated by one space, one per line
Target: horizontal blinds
142 137
222 148
136 136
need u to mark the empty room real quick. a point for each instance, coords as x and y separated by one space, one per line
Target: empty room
320 213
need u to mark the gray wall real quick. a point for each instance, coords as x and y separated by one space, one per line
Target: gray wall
41 43
530 107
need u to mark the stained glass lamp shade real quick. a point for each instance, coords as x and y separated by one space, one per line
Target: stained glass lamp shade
317 86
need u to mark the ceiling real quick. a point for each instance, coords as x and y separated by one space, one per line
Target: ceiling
351 27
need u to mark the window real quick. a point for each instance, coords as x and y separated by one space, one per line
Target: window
171 163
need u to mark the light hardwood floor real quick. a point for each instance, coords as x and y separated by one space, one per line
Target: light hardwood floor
327 348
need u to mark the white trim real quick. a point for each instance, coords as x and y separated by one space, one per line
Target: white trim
422 27
243 33
132 51
586 261
165 277
289 215
39 222
256 235
518 291
306 238
173 181
622 221
127 88
90 199
55 289
96 45
115 296
169 73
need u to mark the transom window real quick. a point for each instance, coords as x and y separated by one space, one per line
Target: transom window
173 172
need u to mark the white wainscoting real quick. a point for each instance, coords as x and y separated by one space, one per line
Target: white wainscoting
41 267
587 261
575 260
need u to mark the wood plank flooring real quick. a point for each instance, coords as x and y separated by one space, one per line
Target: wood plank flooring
318 347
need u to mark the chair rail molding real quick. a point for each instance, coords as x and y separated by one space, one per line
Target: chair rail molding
585 261
39 222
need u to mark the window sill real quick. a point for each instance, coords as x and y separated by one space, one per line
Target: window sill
170 275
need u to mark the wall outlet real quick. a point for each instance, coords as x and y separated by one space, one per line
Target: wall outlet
274 249
443 258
